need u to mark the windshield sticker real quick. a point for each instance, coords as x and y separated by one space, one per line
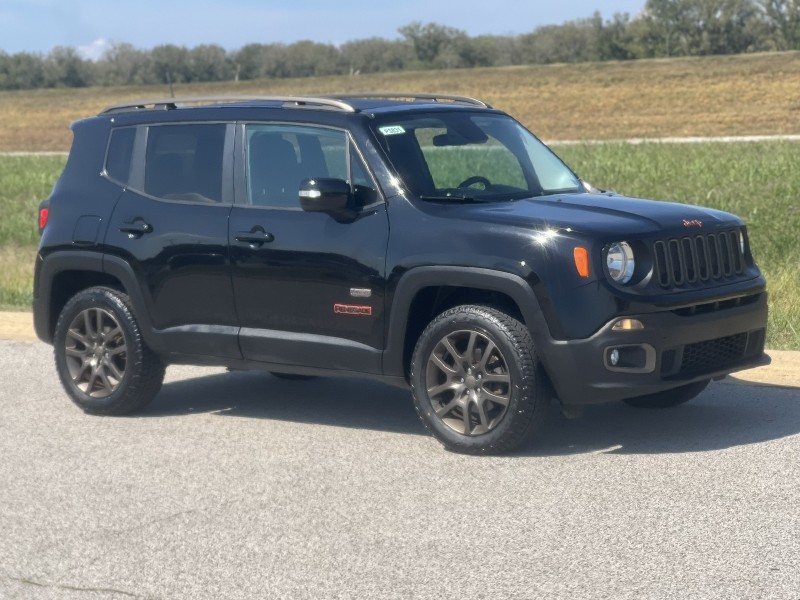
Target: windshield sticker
391 130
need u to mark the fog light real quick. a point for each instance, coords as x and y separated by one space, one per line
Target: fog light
613 357
633 358
627 325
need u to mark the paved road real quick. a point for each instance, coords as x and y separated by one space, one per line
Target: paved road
240 485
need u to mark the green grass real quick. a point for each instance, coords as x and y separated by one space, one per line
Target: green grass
24 182
758 181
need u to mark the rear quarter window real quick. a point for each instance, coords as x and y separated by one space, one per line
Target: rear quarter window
118 156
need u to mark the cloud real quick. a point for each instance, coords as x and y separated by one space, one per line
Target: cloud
94 51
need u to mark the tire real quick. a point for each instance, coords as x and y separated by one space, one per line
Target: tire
489 402
292 376
668 398
101 358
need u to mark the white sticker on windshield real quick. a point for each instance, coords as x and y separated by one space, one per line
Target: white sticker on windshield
391 130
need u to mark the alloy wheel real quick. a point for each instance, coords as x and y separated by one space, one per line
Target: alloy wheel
96 352
468 382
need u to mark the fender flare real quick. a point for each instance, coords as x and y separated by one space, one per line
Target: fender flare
86 261
414 280
48 268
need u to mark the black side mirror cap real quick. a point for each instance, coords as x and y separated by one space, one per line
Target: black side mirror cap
328 195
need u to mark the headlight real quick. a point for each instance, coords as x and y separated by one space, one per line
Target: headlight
620 262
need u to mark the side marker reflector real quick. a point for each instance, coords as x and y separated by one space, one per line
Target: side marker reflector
581 256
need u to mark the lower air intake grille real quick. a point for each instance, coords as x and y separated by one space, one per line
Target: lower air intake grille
705 357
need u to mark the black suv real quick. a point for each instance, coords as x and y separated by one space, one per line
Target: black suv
430 241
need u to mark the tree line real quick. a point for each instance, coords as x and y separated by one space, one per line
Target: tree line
664 28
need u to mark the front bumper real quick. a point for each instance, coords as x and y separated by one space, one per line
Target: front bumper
675 347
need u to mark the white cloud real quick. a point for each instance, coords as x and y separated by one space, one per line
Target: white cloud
95 50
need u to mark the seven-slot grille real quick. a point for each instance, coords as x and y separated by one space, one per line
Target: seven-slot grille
699 258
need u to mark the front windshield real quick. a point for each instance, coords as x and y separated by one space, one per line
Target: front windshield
466 155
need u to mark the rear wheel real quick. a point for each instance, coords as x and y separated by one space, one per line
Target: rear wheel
477 382
668 398
101 358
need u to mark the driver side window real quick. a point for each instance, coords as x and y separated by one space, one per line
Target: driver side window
279 157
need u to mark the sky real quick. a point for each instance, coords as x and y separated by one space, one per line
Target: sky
90 25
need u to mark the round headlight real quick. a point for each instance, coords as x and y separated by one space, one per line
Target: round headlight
620 262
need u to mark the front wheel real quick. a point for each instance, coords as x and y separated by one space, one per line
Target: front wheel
101 358
668 398
477 382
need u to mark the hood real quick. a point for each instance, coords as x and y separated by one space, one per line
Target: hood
603 214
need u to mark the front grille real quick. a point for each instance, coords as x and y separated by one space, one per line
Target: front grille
698 259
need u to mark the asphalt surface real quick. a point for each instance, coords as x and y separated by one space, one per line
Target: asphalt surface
241 485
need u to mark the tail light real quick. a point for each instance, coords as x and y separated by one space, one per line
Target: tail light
44 213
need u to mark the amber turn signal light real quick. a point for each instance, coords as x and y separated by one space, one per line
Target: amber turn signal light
581 256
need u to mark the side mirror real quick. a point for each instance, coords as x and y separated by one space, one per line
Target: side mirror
323 194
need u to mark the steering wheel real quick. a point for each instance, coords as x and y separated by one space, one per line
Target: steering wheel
469 182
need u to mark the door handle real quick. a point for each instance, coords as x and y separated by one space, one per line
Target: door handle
136 228
254 237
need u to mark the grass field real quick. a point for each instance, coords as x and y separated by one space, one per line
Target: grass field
719 95
714 96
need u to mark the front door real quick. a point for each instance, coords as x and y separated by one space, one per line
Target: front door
309 288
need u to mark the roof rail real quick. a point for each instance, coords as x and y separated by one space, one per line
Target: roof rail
325 103
414 97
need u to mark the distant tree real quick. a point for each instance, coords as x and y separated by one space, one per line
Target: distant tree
375 55
249 62
433 44
665 25
615 38
574 41
783 21
170 64
663 28
209 62
721 26
63 67
695 27
301 59
123 64
22 71
481 51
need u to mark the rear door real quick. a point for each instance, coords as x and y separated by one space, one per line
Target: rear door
309 288
171 226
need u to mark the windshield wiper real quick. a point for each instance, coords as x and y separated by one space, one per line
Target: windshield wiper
451 198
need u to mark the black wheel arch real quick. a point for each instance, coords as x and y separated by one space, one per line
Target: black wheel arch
438 288
62 274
